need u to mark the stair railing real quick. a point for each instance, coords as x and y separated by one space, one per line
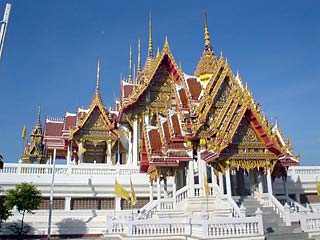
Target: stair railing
182 194
282 210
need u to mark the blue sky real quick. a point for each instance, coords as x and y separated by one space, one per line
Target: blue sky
52 48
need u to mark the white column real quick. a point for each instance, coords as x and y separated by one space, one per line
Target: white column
260 184
80 154
285 188
165 189
129 160
158 191
117 203
109 150
69 153
174 189
135 142
190 181
151 190
228 182
67 203
269 181
221 183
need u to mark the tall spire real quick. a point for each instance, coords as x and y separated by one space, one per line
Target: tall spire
139 58
130 66
207 43
38 123
150 48
98 77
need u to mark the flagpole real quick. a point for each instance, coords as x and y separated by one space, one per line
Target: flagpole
51 193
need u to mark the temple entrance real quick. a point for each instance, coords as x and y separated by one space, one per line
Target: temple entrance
244 183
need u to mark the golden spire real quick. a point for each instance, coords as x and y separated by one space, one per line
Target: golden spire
38 124
150 49
207 44
98 77
130 66
139 58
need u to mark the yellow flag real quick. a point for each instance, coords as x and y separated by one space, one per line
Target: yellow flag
83 150
121 191
24 133
133 197
206 186
318 187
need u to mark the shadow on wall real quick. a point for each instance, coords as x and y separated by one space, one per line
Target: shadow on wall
72 226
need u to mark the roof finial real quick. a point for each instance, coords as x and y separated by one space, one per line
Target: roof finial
207 44
98 77
150 49
130 66
38 124
139 58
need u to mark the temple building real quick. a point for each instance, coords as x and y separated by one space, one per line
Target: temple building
175 133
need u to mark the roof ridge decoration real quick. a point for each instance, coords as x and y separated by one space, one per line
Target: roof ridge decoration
150 46
95 103
208 61
150 71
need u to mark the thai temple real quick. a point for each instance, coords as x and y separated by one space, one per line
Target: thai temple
203 159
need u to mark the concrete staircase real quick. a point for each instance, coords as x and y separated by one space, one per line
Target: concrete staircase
274 226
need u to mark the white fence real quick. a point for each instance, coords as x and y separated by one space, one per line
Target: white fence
84 169
218 227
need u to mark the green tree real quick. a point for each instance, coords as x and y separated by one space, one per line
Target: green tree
26 198
5 212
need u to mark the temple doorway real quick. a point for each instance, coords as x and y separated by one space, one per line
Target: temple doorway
245 183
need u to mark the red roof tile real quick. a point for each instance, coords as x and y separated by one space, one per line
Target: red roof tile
70 122
155 141
183 97
194 88
53 129
127 90
176 125
166 131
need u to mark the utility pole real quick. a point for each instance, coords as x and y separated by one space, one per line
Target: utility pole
3 27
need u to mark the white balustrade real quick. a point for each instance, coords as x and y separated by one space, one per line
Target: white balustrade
217 228
84 169
182 194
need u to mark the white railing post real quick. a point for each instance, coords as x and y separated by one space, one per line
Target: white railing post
287 214
243 211
19 166
204 222
258 213
150 190
303 221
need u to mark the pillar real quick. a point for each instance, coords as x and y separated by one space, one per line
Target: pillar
135 142
260 184
221 183
117 200
285 187
269 181
190 179
228 181
165 188
158 192
67 203
69 153
80 153
151 190
109 152
129 160
174 189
